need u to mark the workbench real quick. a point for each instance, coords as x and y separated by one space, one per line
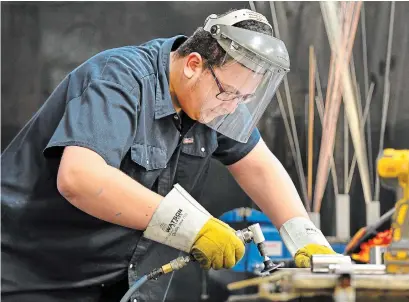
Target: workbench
290 284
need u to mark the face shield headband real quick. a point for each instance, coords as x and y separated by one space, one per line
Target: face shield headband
253 68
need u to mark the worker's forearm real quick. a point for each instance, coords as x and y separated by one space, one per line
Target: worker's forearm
267 183
108 194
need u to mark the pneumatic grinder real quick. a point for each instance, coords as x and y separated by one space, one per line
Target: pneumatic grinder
254 233
246 235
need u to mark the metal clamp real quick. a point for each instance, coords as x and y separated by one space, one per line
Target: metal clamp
340 264
321 263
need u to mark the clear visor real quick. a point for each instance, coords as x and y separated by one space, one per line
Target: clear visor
239 94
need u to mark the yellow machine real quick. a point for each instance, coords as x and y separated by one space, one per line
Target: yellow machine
393 170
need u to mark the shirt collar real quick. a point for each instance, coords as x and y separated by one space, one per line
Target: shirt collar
163 99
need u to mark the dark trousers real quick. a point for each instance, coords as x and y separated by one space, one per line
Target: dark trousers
112 293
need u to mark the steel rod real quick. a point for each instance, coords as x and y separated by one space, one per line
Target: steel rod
320 107
360 119
401 79
346 128
343 51
291 113
320 183
364 50
283 112
329 86
364 120
366 86
367 120
360 138
287 128
346 151
311 123
335 96
357 135
350 103
356 86
386 91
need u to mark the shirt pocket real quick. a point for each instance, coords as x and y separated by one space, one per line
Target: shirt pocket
149 157
146 163
201 144
194 161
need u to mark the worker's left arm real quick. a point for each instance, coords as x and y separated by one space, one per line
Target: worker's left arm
261 175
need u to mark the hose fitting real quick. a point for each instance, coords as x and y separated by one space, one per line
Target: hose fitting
173 265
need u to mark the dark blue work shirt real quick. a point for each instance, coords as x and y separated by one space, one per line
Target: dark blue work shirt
117 104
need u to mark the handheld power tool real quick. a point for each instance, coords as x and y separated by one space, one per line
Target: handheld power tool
252 233
393 169
246 235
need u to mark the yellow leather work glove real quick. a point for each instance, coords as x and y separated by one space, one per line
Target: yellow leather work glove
303 256
217 246
182 223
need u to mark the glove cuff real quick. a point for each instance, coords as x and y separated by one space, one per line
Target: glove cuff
177 220
300 231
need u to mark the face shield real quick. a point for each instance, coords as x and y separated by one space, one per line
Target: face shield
245 83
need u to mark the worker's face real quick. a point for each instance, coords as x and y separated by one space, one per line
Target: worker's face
213 92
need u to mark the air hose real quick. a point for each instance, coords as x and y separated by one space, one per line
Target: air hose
134 288
174 265
252 233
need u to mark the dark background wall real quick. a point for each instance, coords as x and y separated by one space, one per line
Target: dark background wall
43 41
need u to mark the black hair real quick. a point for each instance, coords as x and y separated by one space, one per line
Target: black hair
203 42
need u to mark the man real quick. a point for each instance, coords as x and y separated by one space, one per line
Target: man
88 184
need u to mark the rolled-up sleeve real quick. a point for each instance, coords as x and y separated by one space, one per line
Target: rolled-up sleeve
230 151
103 118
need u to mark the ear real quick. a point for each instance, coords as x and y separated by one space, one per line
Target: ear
193 65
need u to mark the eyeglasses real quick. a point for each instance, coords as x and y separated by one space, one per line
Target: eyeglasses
228 96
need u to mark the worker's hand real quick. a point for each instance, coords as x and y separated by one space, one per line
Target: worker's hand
303 239
217 246
182 223
303 256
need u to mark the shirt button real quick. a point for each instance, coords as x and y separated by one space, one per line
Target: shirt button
102 285
131 266
147 161
202 149
134 300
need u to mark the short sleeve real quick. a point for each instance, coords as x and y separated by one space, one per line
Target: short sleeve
230 151
103 118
